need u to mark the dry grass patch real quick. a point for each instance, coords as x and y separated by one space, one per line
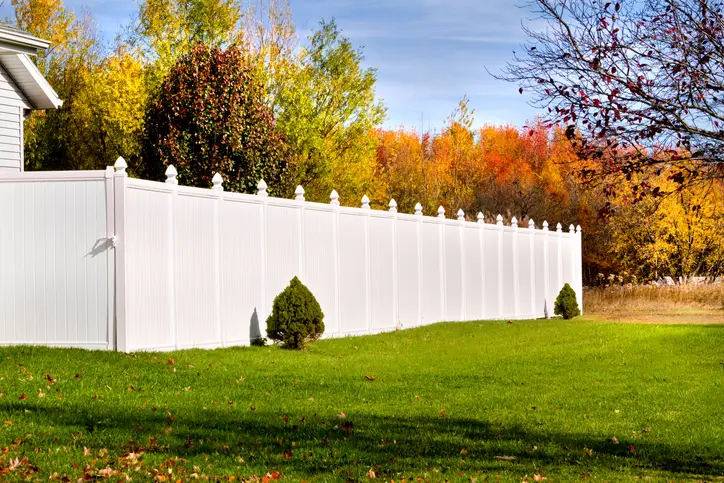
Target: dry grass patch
684 304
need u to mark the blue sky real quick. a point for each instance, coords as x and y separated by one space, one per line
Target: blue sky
429 53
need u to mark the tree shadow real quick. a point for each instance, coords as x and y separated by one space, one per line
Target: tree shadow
310 445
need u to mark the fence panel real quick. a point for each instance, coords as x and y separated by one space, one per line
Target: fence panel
474 271
432 273
353 270
409 271
56 262
242 271
454 308
382 287
319 271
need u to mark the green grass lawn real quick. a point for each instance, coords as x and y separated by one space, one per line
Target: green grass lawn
486 401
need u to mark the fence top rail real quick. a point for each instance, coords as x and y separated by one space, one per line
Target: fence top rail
41 176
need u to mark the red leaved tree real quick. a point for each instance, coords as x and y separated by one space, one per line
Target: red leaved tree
209 116
636 84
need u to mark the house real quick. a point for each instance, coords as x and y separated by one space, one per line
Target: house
22 90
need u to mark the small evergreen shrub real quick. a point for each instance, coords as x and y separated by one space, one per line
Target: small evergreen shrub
296 317
566 303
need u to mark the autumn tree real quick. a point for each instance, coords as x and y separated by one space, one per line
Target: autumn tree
328 111
636 84
209 116
58 139
164 30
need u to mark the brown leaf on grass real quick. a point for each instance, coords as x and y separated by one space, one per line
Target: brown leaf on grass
287 455
86 451
348 426
506 458
630 448
613 440
342 415
443 414
539 478
50 379
463 452
371 473
371 378
22 396
171 361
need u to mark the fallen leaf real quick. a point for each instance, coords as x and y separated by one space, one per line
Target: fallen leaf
171 361
630 448
613 440
539 478
86 451
443 414
50 378
463 451
371 378
287 455
23 396
371 473
342 415
506 458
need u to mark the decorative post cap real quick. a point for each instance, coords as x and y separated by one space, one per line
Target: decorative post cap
299 193
217 181
121 166
418 209
365 202
481 217
171 174
559 228
578 229
531 224
461 215
393 206
334 198
261 188
545 225
572 229
514 222
441 212
499 220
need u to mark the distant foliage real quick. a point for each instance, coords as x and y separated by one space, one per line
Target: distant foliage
209 116
566 303
296 317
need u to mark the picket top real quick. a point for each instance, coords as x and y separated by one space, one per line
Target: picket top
262 188
481 218
299 193
499 220
393 206
121 166
418 209
334 198
461 215
171 175
365 202
441 212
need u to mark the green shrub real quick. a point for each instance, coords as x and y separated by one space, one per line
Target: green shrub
296 317
566 303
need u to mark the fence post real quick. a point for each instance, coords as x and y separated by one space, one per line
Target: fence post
119 194
441 264
261 311
368 264
461 220
546 273
299 198
111 262
334 201
218 188
499 224
395 273
531 227
516 270
418 213
578 266
559 235
481 236
171 180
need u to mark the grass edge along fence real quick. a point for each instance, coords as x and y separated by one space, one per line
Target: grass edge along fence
168 267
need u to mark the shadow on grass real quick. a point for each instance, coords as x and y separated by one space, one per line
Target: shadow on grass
309 446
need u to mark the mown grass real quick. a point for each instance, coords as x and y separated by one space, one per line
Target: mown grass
487 401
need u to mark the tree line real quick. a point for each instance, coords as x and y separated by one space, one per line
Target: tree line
216 86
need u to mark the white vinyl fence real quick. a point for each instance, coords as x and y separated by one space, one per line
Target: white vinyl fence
195 267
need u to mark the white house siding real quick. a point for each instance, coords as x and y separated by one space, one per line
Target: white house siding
12 104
